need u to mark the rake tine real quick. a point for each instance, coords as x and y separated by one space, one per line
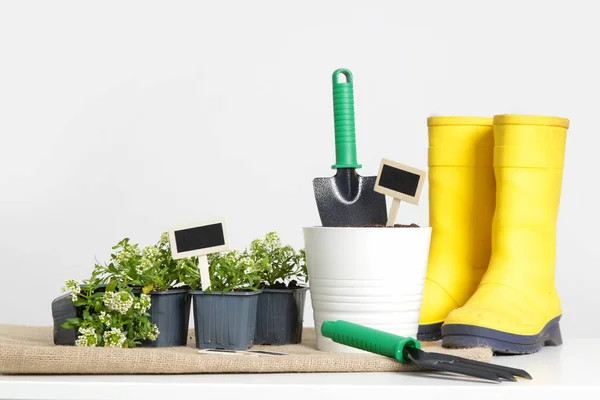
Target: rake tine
500 368
501 374
493 367
447 367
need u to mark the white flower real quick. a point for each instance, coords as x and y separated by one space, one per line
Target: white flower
144 302
247 264
233 254
114 338
246 261
272 241
164 239
256 245
125 255
150 254
118 301
153 335
87 337
104 318
73 287
87 331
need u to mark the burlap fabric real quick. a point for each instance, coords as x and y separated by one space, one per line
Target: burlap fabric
30 350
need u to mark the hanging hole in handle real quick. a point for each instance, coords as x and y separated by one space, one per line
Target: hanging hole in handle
342 71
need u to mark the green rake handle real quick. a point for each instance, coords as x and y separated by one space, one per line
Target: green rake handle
368 339
343 117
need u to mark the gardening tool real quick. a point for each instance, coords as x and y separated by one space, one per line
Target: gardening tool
516 308
408 350
347 199
242 352
462 196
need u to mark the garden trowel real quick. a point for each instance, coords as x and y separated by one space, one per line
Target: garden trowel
347 199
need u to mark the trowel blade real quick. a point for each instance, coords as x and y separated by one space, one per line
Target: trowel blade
348 199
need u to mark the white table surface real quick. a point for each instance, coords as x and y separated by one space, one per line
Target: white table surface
569 370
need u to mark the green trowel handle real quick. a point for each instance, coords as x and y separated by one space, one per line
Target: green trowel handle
368 339
343 117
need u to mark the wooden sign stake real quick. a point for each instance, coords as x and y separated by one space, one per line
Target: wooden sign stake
200 240
393 212
401 182
204 274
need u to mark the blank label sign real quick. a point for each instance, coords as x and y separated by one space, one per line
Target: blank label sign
199 239
400 181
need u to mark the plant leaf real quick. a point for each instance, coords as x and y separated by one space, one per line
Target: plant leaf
147 289
112 285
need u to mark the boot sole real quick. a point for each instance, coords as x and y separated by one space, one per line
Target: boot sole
461 336
430 332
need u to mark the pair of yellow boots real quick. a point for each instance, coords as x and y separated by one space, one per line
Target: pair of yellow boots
494 192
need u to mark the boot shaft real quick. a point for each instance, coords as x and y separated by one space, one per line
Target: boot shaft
461 190
528 164
461 207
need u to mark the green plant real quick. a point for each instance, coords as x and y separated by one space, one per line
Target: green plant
109 316
282 266
110 313
150 268
230 271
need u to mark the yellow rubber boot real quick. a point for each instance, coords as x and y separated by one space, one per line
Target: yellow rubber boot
461 207
516 308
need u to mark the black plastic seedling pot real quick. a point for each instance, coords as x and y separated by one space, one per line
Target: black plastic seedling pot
280 316
63 309
170 311
225 321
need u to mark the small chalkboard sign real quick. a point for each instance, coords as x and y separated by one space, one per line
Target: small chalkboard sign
401 182
199 240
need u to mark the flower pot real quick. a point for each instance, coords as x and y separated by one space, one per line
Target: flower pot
63 309
225 321
369 276
280 316
170 311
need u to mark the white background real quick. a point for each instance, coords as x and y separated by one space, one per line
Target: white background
125 118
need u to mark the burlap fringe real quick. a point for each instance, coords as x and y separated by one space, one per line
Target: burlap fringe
30 350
